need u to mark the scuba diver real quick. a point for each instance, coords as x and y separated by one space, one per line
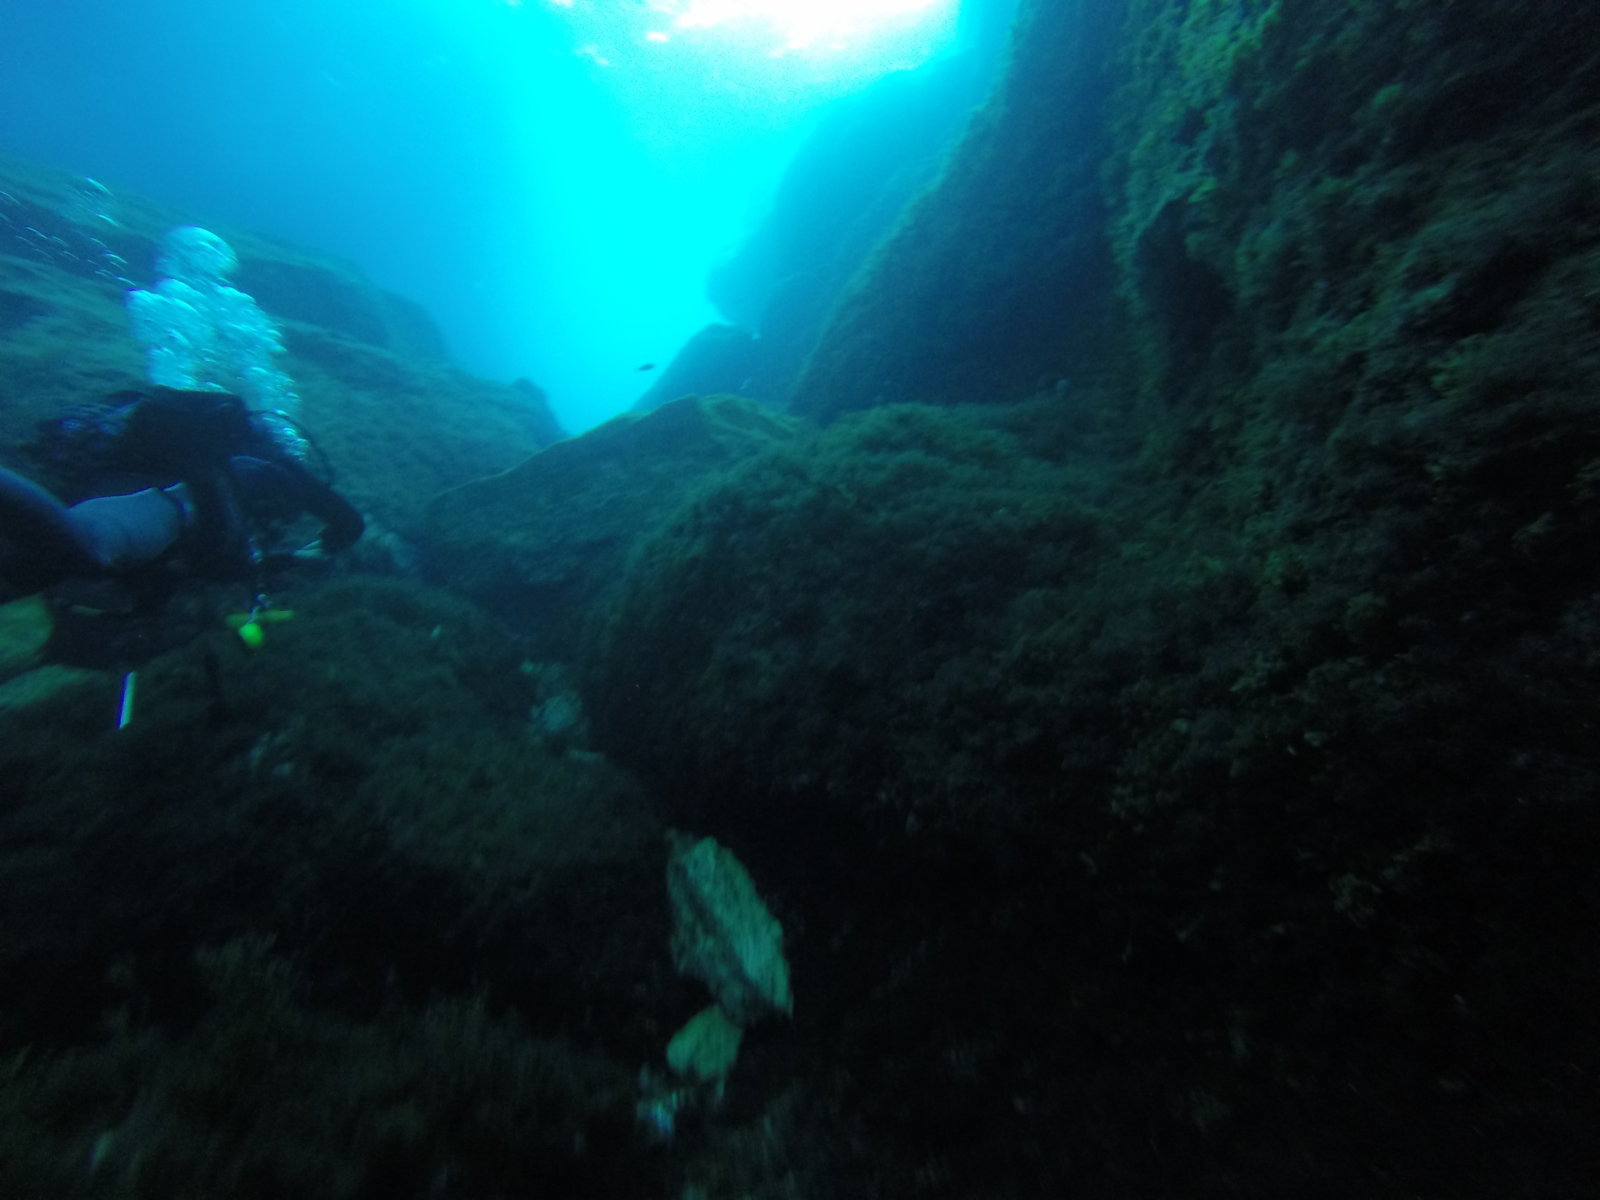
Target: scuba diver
159 486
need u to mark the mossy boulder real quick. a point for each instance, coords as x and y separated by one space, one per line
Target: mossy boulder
829 621
366 787
542 543
25 629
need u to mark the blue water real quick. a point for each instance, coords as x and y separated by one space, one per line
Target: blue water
549 180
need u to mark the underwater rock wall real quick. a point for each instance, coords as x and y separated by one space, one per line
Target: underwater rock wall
869 155
1248 671
1173 775
1157 189
1356 401
717 360
1362 189
994 283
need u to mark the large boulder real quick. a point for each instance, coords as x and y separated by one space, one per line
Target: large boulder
544 542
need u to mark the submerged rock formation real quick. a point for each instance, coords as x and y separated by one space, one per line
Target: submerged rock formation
867 157
995 281
719 360
1206 596
1156 687
545 542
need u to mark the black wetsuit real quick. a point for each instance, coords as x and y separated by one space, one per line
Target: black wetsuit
166 474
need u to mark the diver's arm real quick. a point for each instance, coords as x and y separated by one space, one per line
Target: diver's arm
343 525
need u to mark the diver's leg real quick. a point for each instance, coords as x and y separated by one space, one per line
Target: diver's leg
39 541
206 512
120 532
45 542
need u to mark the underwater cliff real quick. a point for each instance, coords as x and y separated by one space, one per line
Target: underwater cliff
1147 666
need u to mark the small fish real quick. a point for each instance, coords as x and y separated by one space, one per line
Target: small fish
645 367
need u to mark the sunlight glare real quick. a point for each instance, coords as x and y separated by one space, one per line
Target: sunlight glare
802 24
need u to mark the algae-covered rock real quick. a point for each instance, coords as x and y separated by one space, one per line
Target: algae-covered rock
717 359
542 542
25 629
723 934
41 683
854 624
997 277
707 1046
